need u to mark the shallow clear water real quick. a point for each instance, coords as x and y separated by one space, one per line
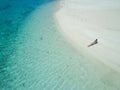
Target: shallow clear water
35 56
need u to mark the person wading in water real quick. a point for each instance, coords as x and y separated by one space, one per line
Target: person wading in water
93 43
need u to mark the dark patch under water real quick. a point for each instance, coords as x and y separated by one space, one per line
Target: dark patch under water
5 7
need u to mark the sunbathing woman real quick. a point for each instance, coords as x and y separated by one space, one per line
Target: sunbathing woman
93 43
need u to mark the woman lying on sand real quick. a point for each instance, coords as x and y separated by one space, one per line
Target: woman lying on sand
93 43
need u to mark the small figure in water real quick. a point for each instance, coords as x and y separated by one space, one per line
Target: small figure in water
93 43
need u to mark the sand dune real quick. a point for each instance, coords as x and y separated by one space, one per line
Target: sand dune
83 21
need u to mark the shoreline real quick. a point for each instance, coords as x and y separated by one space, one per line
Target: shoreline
80 30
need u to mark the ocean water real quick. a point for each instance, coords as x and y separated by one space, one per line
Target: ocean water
35 56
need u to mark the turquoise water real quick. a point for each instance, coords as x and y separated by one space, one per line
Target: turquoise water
35 56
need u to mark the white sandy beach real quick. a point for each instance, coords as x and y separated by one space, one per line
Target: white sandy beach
83 21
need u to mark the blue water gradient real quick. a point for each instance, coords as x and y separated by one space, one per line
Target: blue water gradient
13 13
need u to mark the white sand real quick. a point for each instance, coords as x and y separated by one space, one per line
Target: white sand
83 21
